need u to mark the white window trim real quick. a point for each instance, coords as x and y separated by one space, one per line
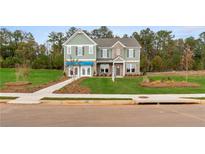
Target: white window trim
73 68
103 53
106 66
130 66
130 53
86 70
80 47
69 50
91 49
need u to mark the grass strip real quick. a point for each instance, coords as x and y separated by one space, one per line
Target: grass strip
7 97
200 98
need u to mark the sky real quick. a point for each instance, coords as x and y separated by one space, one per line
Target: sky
41 32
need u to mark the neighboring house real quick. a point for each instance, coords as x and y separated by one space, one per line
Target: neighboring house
84 56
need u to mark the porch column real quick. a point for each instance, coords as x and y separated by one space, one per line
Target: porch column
124 68
113 72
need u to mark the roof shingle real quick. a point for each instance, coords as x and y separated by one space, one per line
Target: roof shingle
109 42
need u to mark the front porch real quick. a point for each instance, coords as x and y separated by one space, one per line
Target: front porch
107 69
114 67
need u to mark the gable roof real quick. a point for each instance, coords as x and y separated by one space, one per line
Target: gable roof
76 33
118 59
118 42
109 42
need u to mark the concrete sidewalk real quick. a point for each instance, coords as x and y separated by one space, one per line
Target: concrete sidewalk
34 98
147 98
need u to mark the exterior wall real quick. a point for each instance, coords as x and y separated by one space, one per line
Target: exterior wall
79 39
115 50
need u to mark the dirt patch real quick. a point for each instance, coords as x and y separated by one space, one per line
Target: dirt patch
74 88
17 87
169 84
20 83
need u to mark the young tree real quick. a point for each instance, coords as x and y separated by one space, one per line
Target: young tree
187 59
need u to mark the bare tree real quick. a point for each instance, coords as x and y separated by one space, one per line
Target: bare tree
187 59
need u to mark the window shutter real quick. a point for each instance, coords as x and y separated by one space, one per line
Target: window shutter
107 54
134 53
128 53
68 50
101 53
83 48
76 50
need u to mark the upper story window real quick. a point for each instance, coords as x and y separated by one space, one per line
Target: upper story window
79 51
90 49
68 50
130 53
104 53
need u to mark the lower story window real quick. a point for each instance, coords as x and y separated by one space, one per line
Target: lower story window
88 71
104 68
130 68
83 71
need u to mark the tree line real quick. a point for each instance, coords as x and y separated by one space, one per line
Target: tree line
160 50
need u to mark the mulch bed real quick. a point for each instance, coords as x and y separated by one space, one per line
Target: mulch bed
26 87
177 73
19 83
74 88
169 84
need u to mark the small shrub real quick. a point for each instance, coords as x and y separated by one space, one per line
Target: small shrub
165 79
145 79
144 73
22 72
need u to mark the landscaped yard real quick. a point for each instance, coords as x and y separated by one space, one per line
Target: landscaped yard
37 76
132 85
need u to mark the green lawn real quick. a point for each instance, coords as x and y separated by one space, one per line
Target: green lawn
36 76
132 86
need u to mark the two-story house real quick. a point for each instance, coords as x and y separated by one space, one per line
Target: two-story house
84 56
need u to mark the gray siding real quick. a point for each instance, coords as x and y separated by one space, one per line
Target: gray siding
79 39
